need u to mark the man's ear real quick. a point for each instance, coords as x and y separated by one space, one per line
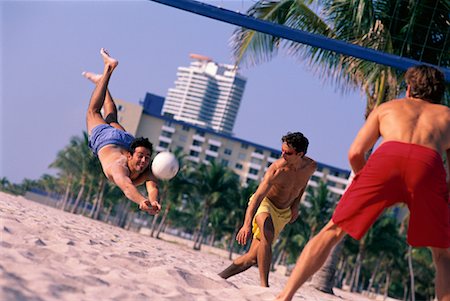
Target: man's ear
408 91
301 154
129 155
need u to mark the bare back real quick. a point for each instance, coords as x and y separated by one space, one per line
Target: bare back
287 183
415 121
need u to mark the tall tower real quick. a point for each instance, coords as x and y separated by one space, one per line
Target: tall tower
206 94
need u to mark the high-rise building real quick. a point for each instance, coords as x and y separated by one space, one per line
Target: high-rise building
206 94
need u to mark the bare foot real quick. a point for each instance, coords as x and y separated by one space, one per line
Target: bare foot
93 77
108 60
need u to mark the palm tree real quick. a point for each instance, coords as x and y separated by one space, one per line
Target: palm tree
89 164
414 30
215 185
318 212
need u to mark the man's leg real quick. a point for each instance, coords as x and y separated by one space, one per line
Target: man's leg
109 107
242 263
264 254
441 259
312 258
93 116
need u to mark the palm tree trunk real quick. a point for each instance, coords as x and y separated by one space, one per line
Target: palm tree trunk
374 273
108 212
80 193
323 280
342 268
163 219
155 218
100 199
387 284
203 223
67 192
87 199
212 238
411 274
231 243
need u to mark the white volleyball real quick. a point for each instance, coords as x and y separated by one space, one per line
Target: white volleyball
165 165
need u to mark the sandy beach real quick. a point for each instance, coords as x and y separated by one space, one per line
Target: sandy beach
47 254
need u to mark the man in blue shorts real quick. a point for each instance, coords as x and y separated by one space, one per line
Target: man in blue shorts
124 159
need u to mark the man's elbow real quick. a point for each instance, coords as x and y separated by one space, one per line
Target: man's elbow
355 154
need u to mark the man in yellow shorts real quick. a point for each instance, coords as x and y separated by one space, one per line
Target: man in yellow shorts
274 204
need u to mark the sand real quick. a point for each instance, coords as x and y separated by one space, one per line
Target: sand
48 254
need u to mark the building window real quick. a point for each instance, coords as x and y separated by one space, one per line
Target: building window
225 162
244 145
213 148
194 153
250 181
166 134
259 151
163 144
168 123
238 166
242 156
315 179
185 128
274 155
227 151
253 171
197 143
200 133
331 183
256 161
209 158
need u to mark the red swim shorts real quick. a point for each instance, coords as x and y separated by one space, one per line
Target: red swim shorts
399 172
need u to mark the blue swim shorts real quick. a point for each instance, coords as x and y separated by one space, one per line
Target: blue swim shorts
104 134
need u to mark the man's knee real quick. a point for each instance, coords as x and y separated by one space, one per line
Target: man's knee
440 255
332 230
111 118
265 224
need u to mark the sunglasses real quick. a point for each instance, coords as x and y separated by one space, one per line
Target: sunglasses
289 153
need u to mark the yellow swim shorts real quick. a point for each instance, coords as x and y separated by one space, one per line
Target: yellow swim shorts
280 217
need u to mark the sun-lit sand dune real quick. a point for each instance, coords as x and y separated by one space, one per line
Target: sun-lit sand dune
47 254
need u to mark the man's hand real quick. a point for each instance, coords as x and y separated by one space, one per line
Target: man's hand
150 207
294 214
243 235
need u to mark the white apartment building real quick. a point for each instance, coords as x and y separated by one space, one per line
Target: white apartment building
206 94
201 145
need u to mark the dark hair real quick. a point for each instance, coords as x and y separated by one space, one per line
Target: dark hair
141 141
425 82
297 141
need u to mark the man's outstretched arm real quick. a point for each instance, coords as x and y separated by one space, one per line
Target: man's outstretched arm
123 181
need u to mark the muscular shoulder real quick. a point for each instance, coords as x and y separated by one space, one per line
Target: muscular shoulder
274 169
310 164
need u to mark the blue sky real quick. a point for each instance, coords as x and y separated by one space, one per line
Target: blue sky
47 44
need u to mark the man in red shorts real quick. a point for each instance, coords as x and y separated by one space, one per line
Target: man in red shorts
407 167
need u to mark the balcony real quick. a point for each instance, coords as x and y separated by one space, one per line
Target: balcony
257 155
198 138
215 142
168 129
165 139
211 153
